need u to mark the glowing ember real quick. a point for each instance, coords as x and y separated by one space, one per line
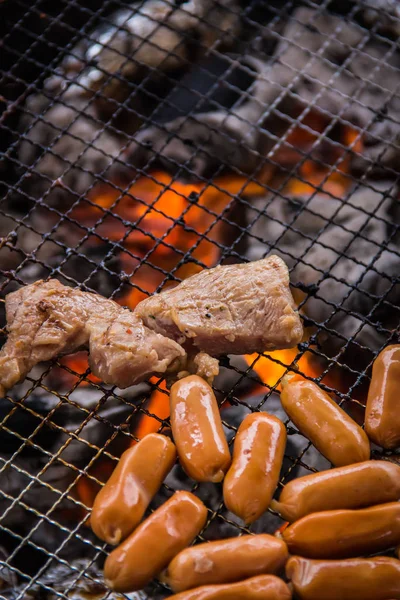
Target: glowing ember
162 220
86 487
158 406
78 363
327 172
272 366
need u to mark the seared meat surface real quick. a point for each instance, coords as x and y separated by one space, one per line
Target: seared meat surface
234 309
48 319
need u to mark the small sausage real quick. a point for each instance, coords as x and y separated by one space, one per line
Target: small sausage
197 429
257 460
152 546
263 587
345 533
382 414
324 423
352 579
120 505
362 484
226 561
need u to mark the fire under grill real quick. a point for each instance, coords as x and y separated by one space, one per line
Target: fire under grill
144 142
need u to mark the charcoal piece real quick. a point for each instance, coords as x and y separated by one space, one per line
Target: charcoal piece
64 148
234 379
150 34
22 421
8 578
193 146
96 266
342 247
69 139
215 82
65 427
35 481
302 72
384 15
80 580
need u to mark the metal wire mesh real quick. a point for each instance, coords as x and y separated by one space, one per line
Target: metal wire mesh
45 238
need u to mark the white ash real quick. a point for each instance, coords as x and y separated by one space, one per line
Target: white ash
64 148
323 61
150 34
342 247
71 134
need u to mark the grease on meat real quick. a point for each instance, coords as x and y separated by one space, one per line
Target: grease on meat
233 309
48 319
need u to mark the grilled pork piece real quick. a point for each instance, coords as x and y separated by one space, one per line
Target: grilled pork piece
48 319
234 309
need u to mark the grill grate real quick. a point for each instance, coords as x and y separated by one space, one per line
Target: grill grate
64 427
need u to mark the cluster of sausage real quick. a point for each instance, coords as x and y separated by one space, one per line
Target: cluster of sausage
333 517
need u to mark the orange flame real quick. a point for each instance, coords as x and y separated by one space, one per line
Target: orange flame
78 363
163 220
158 406
272 366
315 176
87 488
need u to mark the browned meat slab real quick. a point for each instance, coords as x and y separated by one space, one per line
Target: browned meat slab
48 319
234 309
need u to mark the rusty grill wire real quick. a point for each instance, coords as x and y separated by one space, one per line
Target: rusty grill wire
35 38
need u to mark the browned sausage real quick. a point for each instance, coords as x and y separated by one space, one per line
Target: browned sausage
197 429
257 460
263 587
382 414
226 561
362 484
345 533
152 546
352 579
324 423
120 505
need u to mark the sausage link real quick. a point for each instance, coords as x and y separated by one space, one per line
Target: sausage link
354 486
152 546
382 414
226 561
257 460
353 579
324 423
197 429
120 505
345 533
263 587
